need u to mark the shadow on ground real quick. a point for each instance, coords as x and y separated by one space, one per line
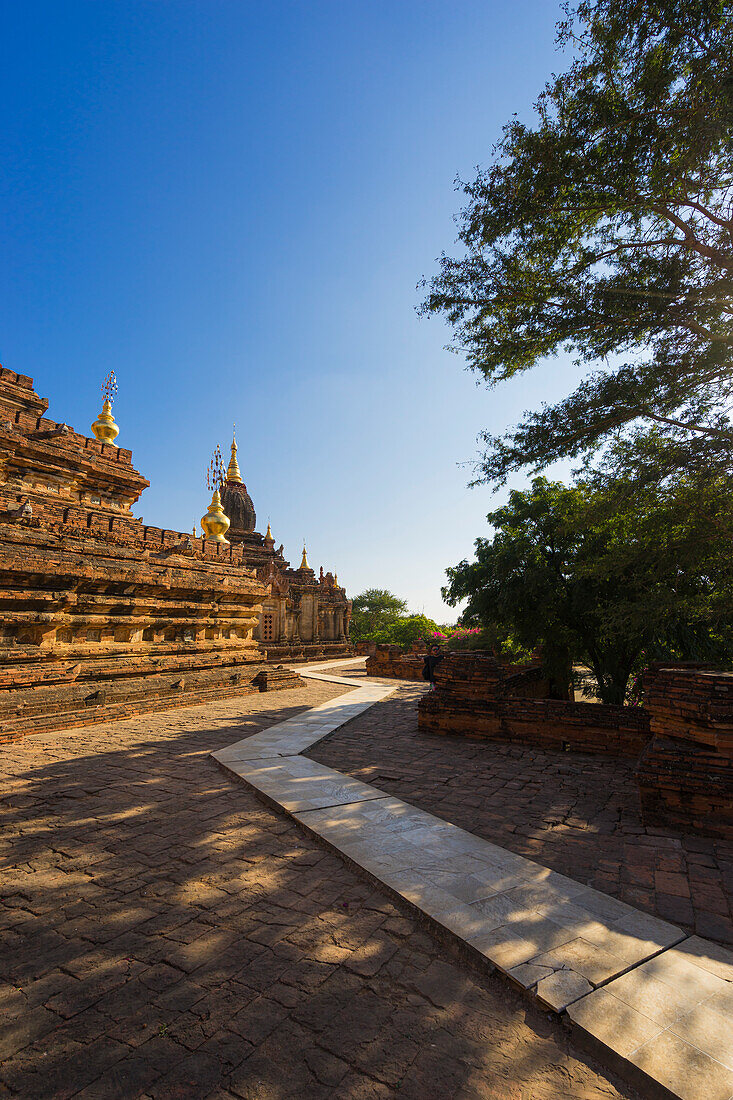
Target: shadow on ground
166 935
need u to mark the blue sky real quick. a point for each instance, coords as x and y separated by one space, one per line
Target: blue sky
230 204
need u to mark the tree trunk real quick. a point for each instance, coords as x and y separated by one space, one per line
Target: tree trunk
612 683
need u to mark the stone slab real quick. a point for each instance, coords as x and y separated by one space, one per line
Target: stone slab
508 908
670 1017
336 663
686 1071
299 784
329 679
560 989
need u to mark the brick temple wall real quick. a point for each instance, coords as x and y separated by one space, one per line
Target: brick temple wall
295 652
101 615
90 630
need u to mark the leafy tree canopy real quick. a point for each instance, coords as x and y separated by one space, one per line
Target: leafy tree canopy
606 229
411 629
606 575
373 611
380 616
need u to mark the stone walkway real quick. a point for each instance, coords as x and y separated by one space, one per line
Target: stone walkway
165 935
578 814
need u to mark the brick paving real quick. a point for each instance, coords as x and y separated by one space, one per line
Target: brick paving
167 936
576 813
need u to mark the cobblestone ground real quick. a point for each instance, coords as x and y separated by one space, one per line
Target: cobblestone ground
165 935
576 813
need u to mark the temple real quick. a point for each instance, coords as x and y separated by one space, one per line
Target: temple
302 614
104 615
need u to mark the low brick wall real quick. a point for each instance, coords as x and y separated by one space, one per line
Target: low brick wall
682 737
548 723
478 696
308 651
391 663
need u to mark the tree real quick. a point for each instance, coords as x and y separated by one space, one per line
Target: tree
606 229
374 611
410 629
605 576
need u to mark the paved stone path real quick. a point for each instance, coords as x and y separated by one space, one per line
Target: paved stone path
165 935
577 814
657 1002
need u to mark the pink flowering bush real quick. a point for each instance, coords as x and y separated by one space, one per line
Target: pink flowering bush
450 635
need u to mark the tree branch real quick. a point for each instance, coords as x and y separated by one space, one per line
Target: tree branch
686 425
691 241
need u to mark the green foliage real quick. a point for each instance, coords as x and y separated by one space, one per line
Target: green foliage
380 616
374 613
410 629
607 575
606 229
492 638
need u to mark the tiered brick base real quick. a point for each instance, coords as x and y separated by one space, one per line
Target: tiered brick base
685 775
277 679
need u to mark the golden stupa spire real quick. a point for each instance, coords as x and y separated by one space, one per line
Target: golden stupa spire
215 523
104 427
269 531
233 473
304 562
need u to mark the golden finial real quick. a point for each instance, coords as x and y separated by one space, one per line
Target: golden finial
215 523
104 427
269 531
215 471
304 562
335 580
233 473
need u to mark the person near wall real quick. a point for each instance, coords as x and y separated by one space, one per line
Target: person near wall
432 660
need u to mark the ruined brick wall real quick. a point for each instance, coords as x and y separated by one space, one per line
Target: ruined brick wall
477 696
474 675
685 774
298 652
469 671
390 662
549 723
